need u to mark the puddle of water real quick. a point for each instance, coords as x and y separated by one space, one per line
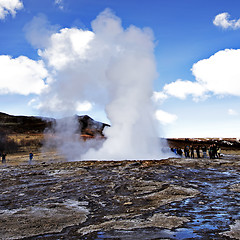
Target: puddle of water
146 234
184 233
210 212
213 210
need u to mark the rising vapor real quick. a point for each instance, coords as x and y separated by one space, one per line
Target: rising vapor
109 67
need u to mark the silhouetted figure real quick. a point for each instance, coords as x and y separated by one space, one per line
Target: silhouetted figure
30 157
186 152
4 157
198 151
179 152
215 151
219 152
192 151
204 150
210 152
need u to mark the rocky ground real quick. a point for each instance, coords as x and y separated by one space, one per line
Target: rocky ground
156 199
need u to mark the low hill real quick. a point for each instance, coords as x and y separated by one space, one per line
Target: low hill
10 124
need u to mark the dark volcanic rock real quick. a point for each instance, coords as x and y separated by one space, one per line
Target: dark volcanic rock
164 199
90 126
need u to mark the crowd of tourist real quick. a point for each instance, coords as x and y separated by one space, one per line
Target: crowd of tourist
213 151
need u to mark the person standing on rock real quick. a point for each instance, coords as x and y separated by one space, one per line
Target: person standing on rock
198 151
4 157
186 151
179 152
219 152
204 150
211 151
192 151
30 157
214 153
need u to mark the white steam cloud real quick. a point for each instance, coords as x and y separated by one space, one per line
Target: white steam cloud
39 30
108 67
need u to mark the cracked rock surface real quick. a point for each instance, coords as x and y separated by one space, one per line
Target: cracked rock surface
151 199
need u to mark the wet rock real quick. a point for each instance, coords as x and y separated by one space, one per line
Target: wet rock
170 194
157 220
120 195
235 187
234 231
39 219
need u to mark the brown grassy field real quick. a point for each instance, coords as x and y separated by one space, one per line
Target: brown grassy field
33 142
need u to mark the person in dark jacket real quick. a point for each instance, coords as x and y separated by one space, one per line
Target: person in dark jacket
179 152
186 152
198 151
204 150
192 151
30 157
4 157
210 151
215 155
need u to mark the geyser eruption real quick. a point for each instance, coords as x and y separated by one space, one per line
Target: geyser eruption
109 67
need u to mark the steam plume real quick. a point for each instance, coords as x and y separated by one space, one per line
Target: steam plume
110 67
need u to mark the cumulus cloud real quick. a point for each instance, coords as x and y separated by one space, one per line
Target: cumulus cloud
218 75
39 30
59 3
222 20
22 75
9 7
165 117
232 112
159 96
181 89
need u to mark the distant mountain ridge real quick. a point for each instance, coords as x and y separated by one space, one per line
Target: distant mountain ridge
11 124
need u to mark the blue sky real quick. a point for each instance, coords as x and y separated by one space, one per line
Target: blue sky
200 101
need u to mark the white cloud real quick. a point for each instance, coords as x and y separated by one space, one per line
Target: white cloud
84 106
34 103
218 75
159 96
59 3
21 75
181 89
232 112
9 7
165 117
222 20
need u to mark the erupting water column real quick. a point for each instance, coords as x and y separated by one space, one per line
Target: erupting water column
113 68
